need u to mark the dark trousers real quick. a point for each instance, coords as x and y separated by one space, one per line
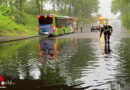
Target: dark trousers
107 49
107 37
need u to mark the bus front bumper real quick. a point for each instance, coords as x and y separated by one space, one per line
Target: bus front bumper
45 33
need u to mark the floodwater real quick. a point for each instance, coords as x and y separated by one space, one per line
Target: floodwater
66 64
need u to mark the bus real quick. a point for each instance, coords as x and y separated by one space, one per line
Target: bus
52 24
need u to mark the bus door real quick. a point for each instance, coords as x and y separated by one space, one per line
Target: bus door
45 24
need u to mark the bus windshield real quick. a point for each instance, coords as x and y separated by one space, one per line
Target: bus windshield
45 20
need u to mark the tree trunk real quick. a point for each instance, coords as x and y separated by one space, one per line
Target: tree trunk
38 6
69 9
6 2
65 9
20 3
20 8
75 11
54 6
127 22
11 6
41 7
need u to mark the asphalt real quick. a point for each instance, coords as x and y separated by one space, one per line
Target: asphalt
16 38
118 31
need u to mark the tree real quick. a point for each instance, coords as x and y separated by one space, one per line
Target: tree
122 6
4 1
39 4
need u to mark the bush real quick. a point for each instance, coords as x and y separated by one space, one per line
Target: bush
8 24
126 20
9 27
21 24
4 10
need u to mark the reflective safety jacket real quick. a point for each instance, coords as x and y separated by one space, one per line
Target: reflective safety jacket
106 29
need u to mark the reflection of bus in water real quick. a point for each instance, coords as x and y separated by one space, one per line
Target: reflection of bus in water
53 48
47 48
56 25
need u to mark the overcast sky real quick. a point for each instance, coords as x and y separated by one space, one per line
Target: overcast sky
48 6
105 9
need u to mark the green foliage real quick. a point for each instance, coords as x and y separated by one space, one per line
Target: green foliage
9 28
22 23
21 15
125 61
126 20
77 8
4 10
7 24
30 22
31 8
122 6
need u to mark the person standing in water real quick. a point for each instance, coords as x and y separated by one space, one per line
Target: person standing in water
107 30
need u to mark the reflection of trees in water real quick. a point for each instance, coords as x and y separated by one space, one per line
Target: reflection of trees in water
66 52
51 75
78 60
18 64
25 63
124 76
10 59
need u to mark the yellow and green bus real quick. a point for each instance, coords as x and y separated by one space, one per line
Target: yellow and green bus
52 24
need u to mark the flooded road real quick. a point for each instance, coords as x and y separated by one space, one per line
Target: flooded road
68 63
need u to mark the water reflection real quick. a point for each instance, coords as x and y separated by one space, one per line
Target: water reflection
104 46
66 63
25 61
107 49
123 76
48 49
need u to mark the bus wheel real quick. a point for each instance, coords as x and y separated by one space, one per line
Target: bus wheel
51 35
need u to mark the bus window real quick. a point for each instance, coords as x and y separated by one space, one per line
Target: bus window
69 23
60 23
45 20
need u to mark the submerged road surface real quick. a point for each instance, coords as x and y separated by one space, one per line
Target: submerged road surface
78 61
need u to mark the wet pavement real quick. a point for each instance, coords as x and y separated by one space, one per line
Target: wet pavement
67 63
16 38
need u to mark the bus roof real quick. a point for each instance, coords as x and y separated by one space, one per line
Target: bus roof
61 17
